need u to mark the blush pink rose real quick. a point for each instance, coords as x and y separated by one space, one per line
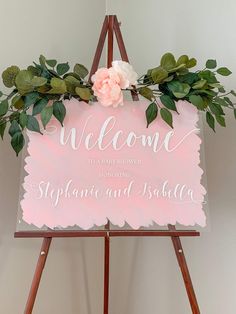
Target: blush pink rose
106 87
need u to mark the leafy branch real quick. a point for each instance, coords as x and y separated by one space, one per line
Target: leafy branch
37 93
176 82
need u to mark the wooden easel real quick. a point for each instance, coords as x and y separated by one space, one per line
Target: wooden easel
110 26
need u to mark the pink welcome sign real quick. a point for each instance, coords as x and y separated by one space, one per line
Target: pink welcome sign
104 164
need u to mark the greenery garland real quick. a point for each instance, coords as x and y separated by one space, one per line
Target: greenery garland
40 90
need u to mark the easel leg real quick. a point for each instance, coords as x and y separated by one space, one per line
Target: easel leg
185 272
106 273
37 275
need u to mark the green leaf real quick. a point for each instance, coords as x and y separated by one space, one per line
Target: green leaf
211 64
208 76
17 142
222 90
39 105
81 70
33 125
52 63
151 113
42 60
182 60
235 113
9 76
23 118
146 92
229 102
197 101
216 109
179 90
224 71
23 82
168 102
31 99
2 128
168 61
58 86
221 101
46 115
62 68
17 102
220 120
1 93
59 111
71 83
158 75
14 128
191 63
199 84
83 93
34 70
189 78
4 105
210 120
167 116
38 81
233 93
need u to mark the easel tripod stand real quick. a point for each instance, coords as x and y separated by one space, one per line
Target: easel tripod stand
110 28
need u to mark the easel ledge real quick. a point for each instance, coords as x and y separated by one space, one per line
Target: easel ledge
104 233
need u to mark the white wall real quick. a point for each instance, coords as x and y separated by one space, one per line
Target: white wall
144 273
67 31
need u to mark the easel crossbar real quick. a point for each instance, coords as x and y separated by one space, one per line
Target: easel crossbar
103 234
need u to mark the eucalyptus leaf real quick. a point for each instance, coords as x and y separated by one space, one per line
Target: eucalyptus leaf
179 90
199 84
191 63
62 68
211 64
23 82
168 61
182 60
81 70
38 81
17 102
158 75
9 76
52 63
42 60
83 93
146 92
58 86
